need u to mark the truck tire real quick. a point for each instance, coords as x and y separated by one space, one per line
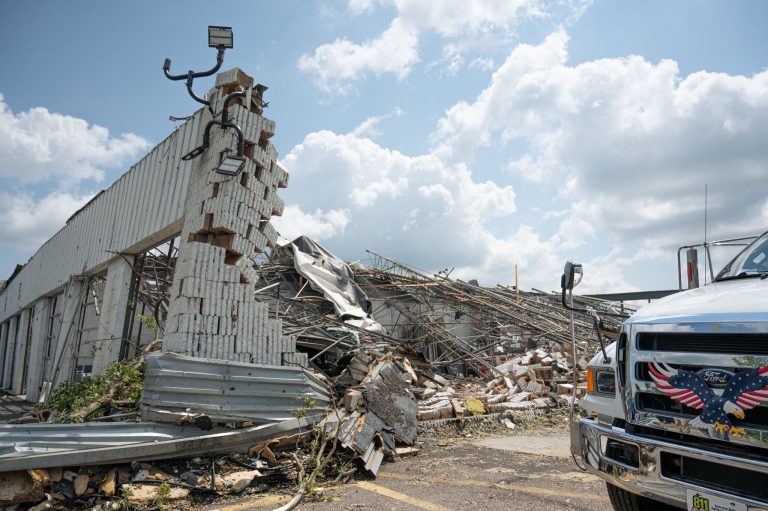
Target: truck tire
622 500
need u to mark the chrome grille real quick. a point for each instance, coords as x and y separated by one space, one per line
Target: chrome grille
744 343
733 347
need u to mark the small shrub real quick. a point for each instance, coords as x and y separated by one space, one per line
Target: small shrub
68 397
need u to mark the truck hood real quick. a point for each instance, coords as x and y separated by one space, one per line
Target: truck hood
733 300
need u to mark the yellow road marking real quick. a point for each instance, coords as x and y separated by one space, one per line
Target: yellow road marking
402 497
534 490
259 501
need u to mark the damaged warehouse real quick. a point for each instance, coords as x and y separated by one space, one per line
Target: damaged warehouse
246 344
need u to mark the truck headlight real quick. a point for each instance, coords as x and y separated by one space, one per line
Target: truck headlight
601 381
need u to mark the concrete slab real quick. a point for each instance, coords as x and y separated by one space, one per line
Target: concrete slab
545 445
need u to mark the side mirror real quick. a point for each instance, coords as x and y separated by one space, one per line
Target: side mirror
572 275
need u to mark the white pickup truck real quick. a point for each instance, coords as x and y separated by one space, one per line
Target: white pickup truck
678 415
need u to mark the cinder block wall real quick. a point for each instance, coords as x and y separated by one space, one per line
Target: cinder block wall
213 312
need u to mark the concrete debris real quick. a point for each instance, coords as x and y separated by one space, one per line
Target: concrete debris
80 484
237 482
22 486
530 380
379 414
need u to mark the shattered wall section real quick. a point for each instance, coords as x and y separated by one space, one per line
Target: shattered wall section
213 311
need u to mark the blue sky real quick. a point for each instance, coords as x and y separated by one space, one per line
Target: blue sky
468 135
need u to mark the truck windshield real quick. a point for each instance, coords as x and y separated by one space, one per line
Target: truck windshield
752 262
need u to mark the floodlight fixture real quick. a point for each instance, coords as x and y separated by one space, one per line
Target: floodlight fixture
220 37
231 165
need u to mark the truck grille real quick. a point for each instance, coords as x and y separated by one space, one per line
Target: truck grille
757 418
692 350
744 344
643 373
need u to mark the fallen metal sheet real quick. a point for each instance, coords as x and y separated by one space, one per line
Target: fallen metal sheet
220 441
27 439
331 276
387 396
177 385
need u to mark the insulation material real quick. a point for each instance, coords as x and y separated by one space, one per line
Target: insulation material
332 277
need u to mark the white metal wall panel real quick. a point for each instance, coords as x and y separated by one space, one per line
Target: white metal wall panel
129 216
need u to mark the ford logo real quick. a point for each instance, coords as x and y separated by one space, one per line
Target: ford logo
715 378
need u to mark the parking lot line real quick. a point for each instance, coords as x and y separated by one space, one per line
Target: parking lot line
262 500
402 497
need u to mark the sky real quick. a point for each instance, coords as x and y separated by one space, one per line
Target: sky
471 136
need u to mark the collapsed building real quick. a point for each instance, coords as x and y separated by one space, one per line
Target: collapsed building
178 252
255 337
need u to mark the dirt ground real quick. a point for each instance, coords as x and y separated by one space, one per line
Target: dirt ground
470 470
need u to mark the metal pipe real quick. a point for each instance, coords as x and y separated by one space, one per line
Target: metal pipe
192 74
709 259
727 242
224 125
573 359
227 100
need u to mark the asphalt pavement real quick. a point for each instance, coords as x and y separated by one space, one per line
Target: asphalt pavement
502 472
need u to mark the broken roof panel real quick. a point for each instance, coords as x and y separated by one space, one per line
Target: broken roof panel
176 386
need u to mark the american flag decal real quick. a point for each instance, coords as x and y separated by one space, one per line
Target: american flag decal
745 390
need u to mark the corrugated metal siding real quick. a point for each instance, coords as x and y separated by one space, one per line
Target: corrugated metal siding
30 438
176 385
140 204
140 442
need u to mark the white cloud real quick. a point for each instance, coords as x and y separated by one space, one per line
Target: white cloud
318 225
26 222
473 26
48 159
38 145
335 64
449 18
630 142
357 7
626 145
414 207
483 64
369 127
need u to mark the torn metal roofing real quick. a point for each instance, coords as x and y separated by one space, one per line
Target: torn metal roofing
26 447
27 439
177 385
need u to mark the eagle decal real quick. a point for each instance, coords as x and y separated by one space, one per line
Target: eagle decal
745 390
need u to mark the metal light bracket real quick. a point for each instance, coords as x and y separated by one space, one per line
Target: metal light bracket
231 165
216 41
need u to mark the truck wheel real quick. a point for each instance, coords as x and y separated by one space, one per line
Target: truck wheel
622 500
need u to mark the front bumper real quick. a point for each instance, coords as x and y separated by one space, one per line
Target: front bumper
588 441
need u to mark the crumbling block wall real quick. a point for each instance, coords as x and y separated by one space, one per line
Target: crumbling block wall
213 311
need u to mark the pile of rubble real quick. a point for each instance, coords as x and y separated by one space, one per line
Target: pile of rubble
384 349
536 379
151 485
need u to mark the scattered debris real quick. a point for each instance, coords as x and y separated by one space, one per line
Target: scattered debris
387 351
